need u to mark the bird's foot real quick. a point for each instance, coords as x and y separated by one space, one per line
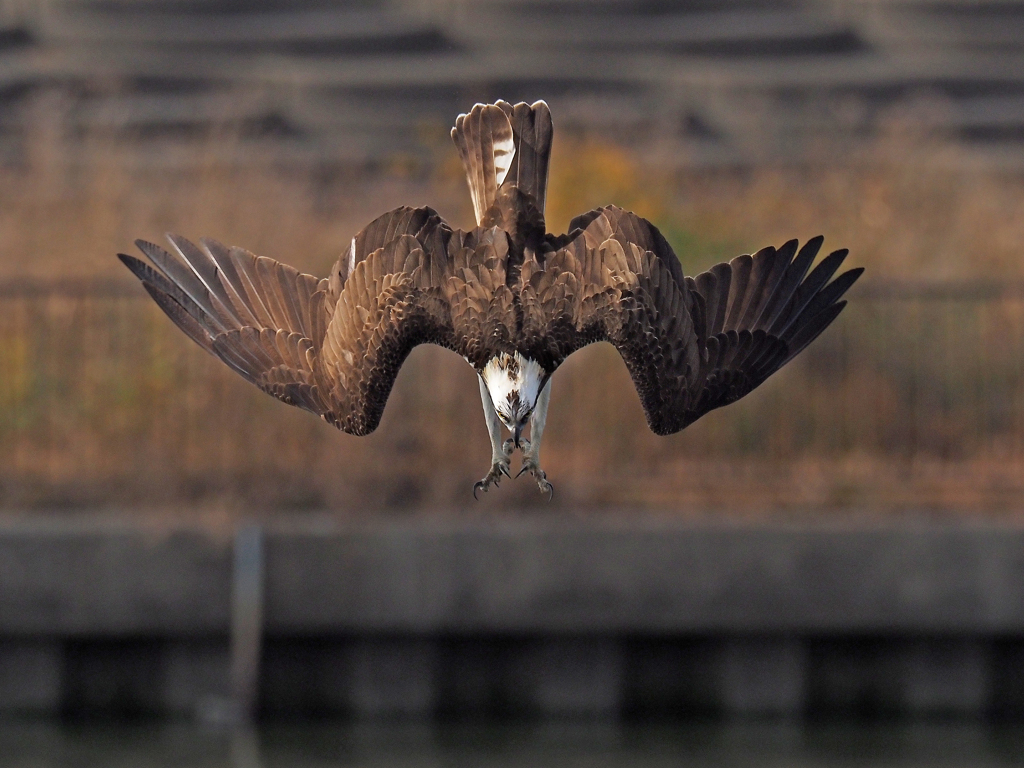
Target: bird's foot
499 466
530 465
493 477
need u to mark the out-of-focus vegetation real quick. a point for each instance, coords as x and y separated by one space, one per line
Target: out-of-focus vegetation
913 399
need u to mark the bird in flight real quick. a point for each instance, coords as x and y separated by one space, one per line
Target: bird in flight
514 300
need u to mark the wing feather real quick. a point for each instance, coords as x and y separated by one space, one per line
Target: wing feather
181 317
807 290
740 267
252 287
761 266
230 280
205 268
812 328
770 278
795 272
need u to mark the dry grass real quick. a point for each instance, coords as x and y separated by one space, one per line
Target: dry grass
910 208
900 406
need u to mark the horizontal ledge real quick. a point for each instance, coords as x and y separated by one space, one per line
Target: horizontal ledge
526 576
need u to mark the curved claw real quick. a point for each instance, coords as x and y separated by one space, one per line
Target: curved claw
498 468
550 489
522 469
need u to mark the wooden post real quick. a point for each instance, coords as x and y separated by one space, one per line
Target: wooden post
246 620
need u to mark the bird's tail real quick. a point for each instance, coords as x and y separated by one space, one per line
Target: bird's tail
501 144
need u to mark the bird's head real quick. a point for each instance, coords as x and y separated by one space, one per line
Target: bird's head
514 383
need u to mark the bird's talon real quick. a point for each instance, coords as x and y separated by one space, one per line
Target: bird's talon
530 465
498 468
508 447
543 484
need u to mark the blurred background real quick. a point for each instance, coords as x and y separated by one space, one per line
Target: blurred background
894 128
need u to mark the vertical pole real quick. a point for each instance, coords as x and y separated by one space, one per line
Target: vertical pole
246 620
244 748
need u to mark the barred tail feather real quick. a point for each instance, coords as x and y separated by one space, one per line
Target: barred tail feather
532 132
484 140
504 144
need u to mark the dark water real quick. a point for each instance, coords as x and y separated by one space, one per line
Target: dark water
46 745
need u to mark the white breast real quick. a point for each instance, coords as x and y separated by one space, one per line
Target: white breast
513 382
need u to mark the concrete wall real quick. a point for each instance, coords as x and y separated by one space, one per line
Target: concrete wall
521 618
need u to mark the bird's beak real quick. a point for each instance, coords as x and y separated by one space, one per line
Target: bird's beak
518 431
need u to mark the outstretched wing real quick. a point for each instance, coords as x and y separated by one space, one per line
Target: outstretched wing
761 311
332 346
690 344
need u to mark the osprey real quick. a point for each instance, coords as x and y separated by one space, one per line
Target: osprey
512 299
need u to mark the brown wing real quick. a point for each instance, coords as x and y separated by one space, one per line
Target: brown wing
333 347
691 345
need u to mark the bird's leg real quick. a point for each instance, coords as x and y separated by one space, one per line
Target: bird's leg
531 448
499 454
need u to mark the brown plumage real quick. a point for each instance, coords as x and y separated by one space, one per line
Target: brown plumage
504 291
